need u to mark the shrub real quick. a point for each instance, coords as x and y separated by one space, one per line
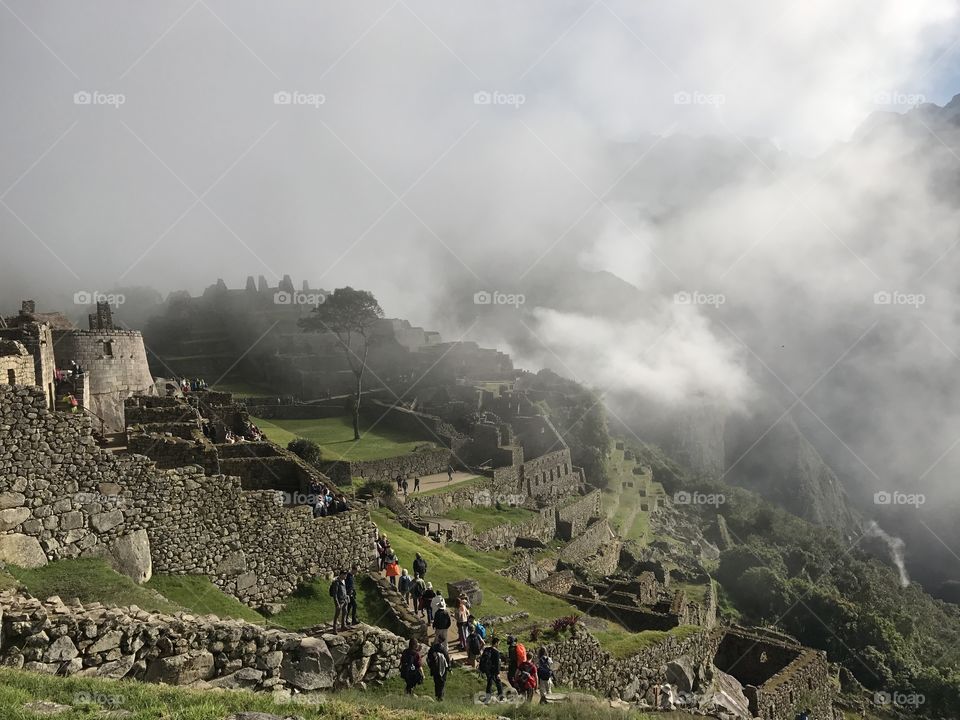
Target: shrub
308 450
376 488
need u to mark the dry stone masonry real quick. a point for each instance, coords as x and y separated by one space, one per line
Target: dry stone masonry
62 496
128 643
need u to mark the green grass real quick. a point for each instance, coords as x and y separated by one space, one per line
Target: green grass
491 559
622 505
161 702
445 564
91 580
201 597
624 645
335 437
311 605
482 518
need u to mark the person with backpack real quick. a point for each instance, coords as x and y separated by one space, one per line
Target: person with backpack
351 584
417 589
441 622
544 674
420 566
516 655
382 545
474 646
438 660
491 661
525 680
411 669
481 628
338 591
426 601
404 585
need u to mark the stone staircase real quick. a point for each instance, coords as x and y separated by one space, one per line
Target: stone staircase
113 442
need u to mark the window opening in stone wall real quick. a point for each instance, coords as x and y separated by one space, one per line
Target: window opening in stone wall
108 348
12 376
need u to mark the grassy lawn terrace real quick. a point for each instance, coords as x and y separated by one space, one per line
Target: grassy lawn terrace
482 518
622 644
335 437
447 563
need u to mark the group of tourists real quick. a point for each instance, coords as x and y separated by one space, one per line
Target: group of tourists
343 590
527 675
250 433
403 485
325 502
192 384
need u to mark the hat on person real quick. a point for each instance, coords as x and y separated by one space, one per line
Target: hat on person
430 585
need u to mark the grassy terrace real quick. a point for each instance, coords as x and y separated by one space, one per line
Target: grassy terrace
450 563
335 437
486 518
623 645
623 504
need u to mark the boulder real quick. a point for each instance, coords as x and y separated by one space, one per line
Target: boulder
130 555
181 669
61 649
311 667
22 550
725 698
682 673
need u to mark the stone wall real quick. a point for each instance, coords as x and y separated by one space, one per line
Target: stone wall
62 496
541 526
573 518
95 641
16 364
117 364
168 451
550 475
248 543
581 662
409 465
587 543
399 614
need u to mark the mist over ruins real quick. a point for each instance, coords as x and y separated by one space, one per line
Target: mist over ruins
408 359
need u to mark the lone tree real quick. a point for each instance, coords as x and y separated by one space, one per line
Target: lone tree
350 315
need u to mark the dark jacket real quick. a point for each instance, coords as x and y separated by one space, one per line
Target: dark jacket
404 583
441 620
493 662
420 567
351 585
436 649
